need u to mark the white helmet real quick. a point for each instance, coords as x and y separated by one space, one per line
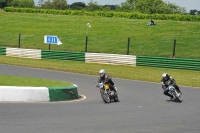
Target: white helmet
102 72
165 76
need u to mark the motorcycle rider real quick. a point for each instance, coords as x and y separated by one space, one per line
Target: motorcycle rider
166 81
106 79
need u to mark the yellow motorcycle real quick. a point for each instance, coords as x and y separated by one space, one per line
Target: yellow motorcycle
107 94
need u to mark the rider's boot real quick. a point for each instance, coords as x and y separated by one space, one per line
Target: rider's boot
172 98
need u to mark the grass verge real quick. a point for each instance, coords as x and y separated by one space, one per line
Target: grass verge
6 80
107 35
183 77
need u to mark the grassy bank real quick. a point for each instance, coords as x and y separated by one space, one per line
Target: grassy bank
107 35
6 80
183 77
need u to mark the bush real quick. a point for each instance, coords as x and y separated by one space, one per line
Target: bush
129 15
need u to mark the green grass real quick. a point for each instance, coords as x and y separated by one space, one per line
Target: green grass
183 77
6 80
107 35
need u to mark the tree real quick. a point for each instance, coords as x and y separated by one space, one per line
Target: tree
157 6
198 13
149 7
106 7
55 4
78 5
126 6
59 4
3 3
193 12
40 3
173 8
112 7
21 3
47 4
94 6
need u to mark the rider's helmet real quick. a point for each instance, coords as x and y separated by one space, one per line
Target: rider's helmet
165 76
102 72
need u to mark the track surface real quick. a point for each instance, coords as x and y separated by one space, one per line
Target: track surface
142 108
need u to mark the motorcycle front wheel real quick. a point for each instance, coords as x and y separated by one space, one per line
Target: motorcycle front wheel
116 99
105 97
178 97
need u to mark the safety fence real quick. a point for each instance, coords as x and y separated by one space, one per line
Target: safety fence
110 59
161 62
2 50
63 55
72 56
23 53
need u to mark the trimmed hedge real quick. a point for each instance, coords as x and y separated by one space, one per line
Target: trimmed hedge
129 15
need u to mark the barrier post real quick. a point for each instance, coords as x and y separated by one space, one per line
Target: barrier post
174 49
49 46
19 40
128 46
86 43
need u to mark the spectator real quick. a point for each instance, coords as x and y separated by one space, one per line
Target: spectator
151 22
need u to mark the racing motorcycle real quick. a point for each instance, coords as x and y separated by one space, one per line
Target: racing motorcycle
106 93
175 93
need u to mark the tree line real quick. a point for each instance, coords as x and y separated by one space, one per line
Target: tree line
142 6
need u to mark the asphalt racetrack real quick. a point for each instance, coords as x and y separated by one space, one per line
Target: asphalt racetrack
142 108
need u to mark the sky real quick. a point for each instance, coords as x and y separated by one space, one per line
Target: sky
188 4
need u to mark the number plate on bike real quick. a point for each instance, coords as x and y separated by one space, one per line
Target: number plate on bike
106 86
